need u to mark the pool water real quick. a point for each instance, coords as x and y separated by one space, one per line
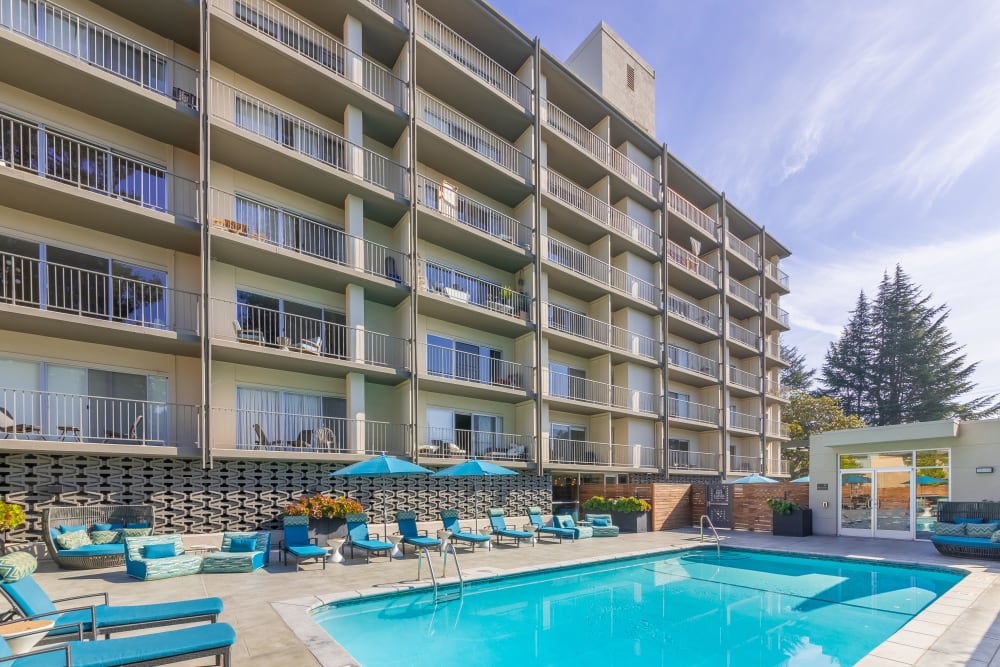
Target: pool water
682 608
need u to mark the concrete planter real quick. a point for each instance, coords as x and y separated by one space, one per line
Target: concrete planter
631 522
797 524
324 528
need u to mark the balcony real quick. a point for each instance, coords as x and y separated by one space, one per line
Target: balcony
63 56
601 394
457 443
692 368
477 375
748 339
778 430
776 275
691 321
777 468
63 421
603 454
690 273
775 390
774 312
743 250
278 146
686 210
744 382
62 301
741 421
255 430
599 211
54 174
600 335
775 353
744 464
686 460
695 414
748 301
459 297
570 129
607 276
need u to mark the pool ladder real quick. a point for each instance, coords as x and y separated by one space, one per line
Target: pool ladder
451 592
701 527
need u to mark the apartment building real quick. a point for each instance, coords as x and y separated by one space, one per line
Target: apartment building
251 230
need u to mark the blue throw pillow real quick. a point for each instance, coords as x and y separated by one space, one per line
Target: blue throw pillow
960 519
566 521
70 529
102 526
601 522
152 551
137 525
243 544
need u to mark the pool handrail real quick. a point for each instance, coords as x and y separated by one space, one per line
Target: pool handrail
701 527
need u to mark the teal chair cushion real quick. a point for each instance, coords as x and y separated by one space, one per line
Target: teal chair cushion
72 529
243 544
28 596
94 550
139 613
307 551
961 519
108 526
158 551
601 522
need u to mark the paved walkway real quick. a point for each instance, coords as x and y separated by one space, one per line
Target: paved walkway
269 607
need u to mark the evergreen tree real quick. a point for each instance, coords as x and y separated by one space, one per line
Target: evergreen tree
848 364
796 377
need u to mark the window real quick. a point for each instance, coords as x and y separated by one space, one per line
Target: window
630 77
679 450
568 444
278 419
678 404
286 323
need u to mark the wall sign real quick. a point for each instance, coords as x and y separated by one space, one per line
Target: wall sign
822 486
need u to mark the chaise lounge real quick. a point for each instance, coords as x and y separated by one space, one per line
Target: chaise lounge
159 557
406 522
359 537
450 520
501 530
602 525
535 517
240 552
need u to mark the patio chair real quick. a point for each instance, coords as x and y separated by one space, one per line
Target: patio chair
133 432
535 517
311 345
262 441
460 534
501 530
325 439
406 521
602 525
358 536
246 335
8 427
297 542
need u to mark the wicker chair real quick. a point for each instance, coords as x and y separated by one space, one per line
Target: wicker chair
87 516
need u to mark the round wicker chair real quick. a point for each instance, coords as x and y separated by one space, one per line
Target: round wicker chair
88 515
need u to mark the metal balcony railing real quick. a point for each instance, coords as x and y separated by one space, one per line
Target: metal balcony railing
774 351
572 194
396 9
684 409
685 209
97 295
778 429
777 467
305 39
776 313
743 249
457 48
455 364
744 293
688 311
468 444
581 263
682 358
563 385
272 225
685 460
600 149
51 154
744 379
744 464
65 417
774 273
92 44
264 120
680 257
602 333
475 291
584 452
775 388
297 334
437 115
744 421
443 197
743 335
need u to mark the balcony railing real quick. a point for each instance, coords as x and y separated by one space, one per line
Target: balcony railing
257 117
685 209
443 198
744 379
585 265
469 133
266 430
572 194
602 333
688 311
92 44
685 460
475 291
455 364
775 388
468 444
686 260
563 385
774 351
743 249
50 154
682 358
776 313
98 295
778 429
777 467
774 273
396 9
305 39
744 422
457 48
79 418
743 335
297 334
744 464
280 227
743 293
679 408
600 149
583 452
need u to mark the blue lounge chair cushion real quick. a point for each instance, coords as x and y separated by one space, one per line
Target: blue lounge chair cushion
139 613
108 526
421 541
243 544
960 519
601 522
306 551
158 551
371 545
94 550
407 523
137 525
71 529
983 542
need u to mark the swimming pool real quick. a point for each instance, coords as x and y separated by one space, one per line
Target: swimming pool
687 607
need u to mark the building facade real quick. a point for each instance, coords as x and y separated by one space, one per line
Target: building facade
245 230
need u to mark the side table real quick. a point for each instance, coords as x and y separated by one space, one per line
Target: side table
396 540
21 636
202 548
335 543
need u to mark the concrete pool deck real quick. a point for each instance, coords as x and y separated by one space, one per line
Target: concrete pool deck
268 608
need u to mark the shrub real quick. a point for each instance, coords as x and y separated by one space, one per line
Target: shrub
620 504
11 516
781 506
598 504
322 506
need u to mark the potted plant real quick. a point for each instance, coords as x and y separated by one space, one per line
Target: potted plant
789 518
503 302
11 517
457 293
630 514
326 513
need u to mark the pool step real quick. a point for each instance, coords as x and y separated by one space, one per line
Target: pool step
448 595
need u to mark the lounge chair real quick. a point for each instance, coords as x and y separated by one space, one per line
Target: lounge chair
535 517
9 427
407 523
28 599
298 543
602 525
458 534
358 536
501 530
240 552
311 345
246 335
133 433
580 531
262 441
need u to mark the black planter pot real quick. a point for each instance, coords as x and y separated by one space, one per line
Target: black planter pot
323 528
797 524
631 522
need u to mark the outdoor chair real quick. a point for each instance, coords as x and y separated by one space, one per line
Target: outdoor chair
133 433
460 534
246 335
240 552
311 345
535 517
262 441
406 521
296 541
325 439
579 531
358 536
501 530
602 525
8 427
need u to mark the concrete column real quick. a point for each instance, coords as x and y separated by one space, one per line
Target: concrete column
354 226
355 298
354 66
354 133
355 386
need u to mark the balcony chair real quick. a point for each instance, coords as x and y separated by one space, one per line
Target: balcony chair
247 335
8 427
406 522
501 530
133 433
325 439
311 345
262 441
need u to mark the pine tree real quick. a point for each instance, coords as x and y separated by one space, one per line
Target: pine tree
847 368
796 377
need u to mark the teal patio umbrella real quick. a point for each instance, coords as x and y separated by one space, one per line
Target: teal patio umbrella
752 479
475 468
801 480
382 466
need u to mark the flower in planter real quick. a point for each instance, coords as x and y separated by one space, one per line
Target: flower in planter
11 516
322 506
630 504
782 506
598 504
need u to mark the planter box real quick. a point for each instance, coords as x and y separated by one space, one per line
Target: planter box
797 524
324 528
631 522
456 294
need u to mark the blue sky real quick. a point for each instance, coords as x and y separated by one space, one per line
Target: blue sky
860 134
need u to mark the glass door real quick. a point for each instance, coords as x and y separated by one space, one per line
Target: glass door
856 503
893 505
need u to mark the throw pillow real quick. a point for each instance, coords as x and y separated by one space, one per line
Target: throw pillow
950 529
73 539
151 551
71 529
104 536
132 532
980 529
962 519
142 524
243 544
996 537
16 566
601 522
108 526
566 521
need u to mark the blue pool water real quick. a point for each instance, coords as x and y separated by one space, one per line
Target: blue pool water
682 608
